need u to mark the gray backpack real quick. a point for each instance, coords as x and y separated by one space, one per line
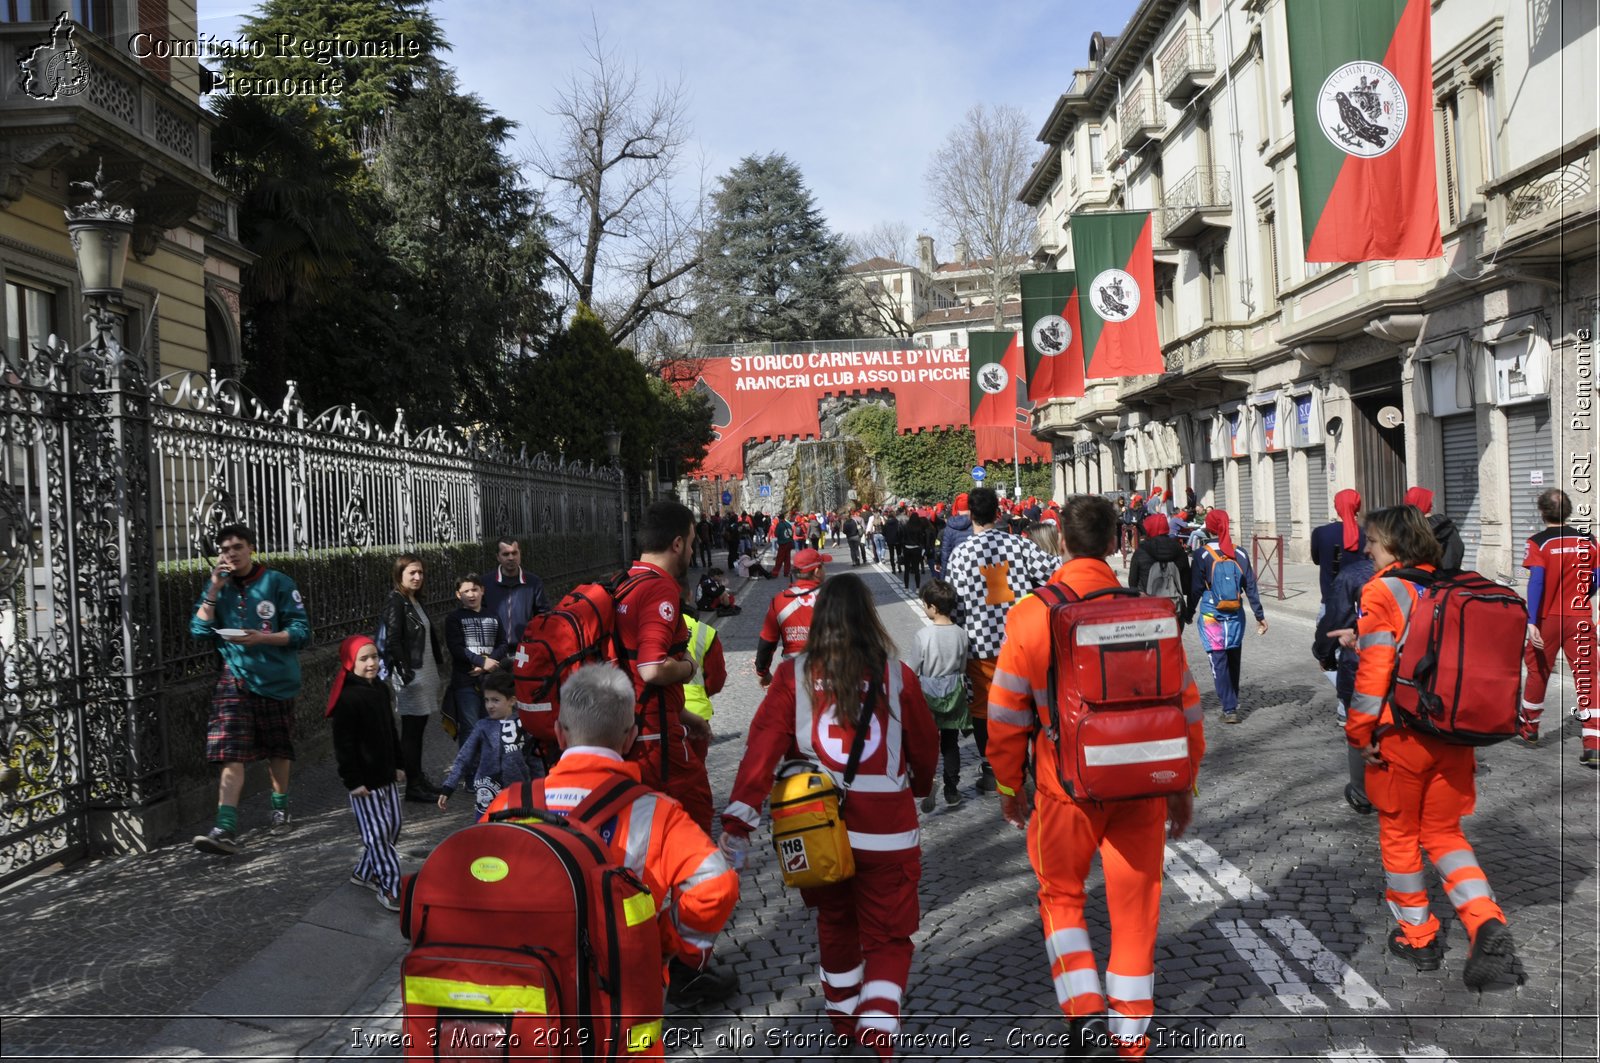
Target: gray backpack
1164 581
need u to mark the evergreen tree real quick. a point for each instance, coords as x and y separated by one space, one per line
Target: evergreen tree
771 268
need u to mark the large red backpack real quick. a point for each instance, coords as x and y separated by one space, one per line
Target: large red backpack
580 630
1116 694
1458 677
528 941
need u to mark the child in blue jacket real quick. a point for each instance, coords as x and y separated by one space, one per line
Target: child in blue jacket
491 757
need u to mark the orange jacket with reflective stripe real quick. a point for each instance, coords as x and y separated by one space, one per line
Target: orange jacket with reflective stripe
694 888
1380 624
1020 693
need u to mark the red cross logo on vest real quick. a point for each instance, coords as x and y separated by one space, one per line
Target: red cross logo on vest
833 740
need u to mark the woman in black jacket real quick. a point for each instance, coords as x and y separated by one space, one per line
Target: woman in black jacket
915 540
1158 548
415 660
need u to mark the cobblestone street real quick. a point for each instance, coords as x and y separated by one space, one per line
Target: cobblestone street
1272 942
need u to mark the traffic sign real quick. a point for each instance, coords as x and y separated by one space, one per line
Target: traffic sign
765 490
727 498
978 473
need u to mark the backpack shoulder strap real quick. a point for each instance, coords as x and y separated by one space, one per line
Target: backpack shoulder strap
602 801
531 804
1057 594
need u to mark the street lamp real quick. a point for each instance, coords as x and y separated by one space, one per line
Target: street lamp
100 232
614 444
614 449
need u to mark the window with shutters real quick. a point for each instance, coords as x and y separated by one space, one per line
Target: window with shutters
1449 163
1097 151
1489 121
1267 215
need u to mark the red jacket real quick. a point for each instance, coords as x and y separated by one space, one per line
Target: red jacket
897 761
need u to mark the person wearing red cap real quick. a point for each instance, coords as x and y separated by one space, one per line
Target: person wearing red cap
1444 529
1219 591
957 530
788 620
366 747
1335 538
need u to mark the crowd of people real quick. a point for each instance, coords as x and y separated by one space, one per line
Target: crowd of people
880 721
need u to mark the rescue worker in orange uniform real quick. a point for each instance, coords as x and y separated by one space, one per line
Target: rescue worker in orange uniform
787 624
694 888
1420 786
1063 834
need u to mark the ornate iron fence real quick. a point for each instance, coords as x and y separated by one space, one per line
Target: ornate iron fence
114 490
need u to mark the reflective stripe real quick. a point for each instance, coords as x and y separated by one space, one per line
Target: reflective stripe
641 816
1081 982
1135 752
1130 986
712 866
843 979
1041 697
876 784
882 989
893 779
1405 881
638 908
1023 718
1066 942
882 843
1416 916
1470 890
1188 678
1126 1027
1194 713
1366 704
800 602
847 1006
743 813
877 1020
1006 681
645 1034
693 937
471 996
1531 706
1376 638
1451 862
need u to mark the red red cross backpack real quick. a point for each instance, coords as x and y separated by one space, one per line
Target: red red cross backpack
1458 674
1116 694
528 941
580 630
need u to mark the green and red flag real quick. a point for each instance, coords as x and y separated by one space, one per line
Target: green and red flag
994 368
1052 335
1116 279
1362 74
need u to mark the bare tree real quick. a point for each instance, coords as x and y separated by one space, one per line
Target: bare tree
973 181
623 239
876 306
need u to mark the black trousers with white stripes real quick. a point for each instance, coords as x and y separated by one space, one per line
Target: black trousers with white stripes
378 819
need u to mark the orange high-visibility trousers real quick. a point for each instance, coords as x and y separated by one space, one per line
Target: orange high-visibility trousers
1420 794
1130 837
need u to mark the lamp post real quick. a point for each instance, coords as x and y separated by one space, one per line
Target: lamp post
101 232
614 449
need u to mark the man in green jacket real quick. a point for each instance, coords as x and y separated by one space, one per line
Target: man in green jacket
257 620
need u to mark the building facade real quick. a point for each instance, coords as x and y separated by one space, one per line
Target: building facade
1287 381
105 90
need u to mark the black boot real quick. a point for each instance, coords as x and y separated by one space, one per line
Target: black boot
1088 1038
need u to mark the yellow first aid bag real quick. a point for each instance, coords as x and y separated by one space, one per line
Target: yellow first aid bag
807 829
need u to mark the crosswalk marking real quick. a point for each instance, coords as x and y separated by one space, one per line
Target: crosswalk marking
1328 969
1189 880
1270 967
1224 873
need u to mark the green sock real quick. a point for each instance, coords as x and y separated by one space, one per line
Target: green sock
280 802
228 817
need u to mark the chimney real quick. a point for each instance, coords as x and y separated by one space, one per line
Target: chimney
925 254
963 252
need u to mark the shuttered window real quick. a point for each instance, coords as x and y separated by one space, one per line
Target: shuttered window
1317 486
1459 436
1219 487
1280 494
1244 512
1531 458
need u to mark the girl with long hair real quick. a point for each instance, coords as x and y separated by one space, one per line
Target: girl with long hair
849 679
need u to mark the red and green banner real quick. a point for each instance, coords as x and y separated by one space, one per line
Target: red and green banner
1362 72
1116 281
994 372
1052 335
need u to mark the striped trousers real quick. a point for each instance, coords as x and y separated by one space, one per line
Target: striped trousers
378 820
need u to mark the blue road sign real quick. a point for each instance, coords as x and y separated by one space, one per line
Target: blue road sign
727 498
765 490
978 474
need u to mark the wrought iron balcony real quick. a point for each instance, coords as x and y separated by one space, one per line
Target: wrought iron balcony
1186 66
1219 347
1140 117
1201 199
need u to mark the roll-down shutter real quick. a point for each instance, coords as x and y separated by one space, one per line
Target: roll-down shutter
1532 458
1246 505
1317 486
1459 435
1280 493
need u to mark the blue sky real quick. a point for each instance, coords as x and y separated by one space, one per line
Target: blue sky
858 95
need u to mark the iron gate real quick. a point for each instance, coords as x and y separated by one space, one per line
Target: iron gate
79 718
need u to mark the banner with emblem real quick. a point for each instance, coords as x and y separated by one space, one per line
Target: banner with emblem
994 374
1111 253
1362 74
1052 335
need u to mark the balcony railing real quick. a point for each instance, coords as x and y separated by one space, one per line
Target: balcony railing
1202 197
1140 117
1186 65
1217 346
